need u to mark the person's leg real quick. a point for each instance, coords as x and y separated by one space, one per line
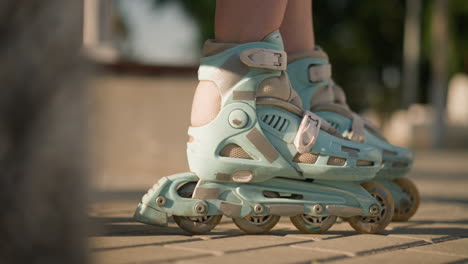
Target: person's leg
297 28
237 21
241 21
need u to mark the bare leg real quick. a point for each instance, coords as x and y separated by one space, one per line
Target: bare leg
237 21
240 21
297 28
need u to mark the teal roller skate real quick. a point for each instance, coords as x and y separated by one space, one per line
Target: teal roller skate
310 75
256 155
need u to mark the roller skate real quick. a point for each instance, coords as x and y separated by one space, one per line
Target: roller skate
255 155
310 74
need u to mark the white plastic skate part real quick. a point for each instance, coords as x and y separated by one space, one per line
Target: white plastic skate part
308 132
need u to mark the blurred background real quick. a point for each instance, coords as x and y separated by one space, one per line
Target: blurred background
402 64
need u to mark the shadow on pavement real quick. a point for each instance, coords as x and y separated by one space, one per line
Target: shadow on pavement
118 195
446 200
126 226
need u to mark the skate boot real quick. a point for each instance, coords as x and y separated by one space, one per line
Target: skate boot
255 155
310 75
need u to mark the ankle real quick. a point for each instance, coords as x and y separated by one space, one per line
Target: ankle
206 103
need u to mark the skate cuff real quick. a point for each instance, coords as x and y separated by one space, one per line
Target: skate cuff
265 58
320 73
308 132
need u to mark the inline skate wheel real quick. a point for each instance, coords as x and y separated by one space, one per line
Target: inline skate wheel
199 224
256 224
309 224
375 224
404 211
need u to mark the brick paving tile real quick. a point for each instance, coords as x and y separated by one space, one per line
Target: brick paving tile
217 235
429 211
121 242
282 254
400 256
149 254
360 244
315 237
237 243
113 208
112 228
458 247
431 232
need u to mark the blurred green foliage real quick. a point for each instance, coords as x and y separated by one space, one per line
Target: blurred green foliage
364 40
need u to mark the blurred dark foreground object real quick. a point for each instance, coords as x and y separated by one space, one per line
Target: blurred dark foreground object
42 132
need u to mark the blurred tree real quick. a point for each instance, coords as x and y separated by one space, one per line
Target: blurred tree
458 25
364 41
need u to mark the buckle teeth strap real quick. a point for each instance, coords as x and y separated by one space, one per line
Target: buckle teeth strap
320 73
265 58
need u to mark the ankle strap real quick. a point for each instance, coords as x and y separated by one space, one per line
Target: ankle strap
264 58
320 73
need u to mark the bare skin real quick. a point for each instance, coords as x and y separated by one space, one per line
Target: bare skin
297 27
241 21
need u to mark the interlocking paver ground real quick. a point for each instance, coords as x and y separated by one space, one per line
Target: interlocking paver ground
457 247
238 243
103 243
359 244
280 254
400 256
438 233
145 254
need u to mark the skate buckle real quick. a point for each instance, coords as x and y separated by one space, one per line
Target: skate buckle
307 132
280 59
265 58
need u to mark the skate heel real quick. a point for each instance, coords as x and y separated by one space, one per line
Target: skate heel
173 195
147 215
151 208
